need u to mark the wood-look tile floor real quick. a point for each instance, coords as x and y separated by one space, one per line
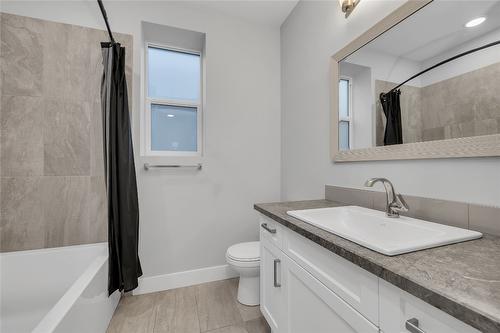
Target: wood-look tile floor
209 307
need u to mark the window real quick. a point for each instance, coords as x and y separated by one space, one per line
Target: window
173 102
345 114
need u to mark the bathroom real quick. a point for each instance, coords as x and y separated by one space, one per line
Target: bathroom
289 166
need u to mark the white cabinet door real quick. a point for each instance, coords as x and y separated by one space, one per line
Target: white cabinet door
312 307
271 290
353 284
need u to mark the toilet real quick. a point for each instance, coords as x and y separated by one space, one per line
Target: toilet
244 258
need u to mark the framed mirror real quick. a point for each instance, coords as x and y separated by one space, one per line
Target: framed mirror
422 83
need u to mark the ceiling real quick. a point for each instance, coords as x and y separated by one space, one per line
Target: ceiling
264 12
436 28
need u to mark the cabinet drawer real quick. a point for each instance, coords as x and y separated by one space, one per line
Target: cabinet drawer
271 231
353 284
397 306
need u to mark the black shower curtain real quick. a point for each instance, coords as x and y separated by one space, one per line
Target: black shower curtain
393 134
121 185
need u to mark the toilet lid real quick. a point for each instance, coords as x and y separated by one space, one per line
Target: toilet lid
249 251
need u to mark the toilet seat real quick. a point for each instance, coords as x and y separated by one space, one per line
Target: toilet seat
248 252
243 264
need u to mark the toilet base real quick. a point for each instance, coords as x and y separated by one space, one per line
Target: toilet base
249 290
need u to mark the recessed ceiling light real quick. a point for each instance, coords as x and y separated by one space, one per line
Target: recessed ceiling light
475 22
170 115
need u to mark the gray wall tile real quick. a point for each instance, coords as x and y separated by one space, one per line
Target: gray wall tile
21 55
66 213
98 214
96 141
51 131
440 211
486 126
55 62
349 196
22 224
432 134
484 219
379 200
78 53
66 138
95 37
21 136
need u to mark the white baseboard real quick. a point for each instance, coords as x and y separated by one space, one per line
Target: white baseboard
183 279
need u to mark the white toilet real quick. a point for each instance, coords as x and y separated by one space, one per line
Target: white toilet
245 259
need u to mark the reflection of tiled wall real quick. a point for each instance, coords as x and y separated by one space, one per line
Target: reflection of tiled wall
411 112
463 106
52 186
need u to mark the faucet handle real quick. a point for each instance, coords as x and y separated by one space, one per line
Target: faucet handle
401 205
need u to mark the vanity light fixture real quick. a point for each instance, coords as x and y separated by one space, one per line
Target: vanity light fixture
348 6
475 22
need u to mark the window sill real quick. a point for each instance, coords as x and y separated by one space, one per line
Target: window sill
171 160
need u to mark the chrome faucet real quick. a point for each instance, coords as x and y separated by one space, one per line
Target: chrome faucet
395 202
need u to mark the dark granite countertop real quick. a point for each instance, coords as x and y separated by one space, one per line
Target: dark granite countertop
461 279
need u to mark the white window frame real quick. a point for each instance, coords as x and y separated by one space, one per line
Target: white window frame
350 118
149 101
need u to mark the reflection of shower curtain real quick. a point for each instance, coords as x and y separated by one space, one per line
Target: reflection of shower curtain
393 134
123 207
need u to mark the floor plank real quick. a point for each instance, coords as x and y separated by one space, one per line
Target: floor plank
258 325
209 307
176 311
247 312
134 314
216 306
229 329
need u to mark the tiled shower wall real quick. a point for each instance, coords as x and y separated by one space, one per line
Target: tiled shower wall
463 106
51 165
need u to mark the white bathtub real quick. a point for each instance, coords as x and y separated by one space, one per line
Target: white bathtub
60 289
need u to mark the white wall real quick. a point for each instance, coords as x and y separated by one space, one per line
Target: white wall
188 219
309 37
386 67
465 64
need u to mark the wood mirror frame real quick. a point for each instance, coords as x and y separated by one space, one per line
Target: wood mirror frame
476 146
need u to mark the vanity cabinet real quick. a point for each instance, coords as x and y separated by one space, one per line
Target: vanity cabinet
293 300
397 307
307 288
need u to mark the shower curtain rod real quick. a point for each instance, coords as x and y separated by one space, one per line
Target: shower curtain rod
442 63
103 11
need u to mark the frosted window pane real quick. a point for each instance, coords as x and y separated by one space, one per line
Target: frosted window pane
344 98
344 135
173 75
173 128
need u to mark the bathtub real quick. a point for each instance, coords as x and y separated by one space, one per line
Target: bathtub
56 290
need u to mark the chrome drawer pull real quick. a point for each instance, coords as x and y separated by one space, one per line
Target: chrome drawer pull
276 284
264 225
412 326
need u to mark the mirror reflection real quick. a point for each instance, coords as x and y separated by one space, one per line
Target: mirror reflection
380 106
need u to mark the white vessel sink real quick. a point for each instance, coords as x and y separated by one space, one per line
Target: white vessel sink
374 230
